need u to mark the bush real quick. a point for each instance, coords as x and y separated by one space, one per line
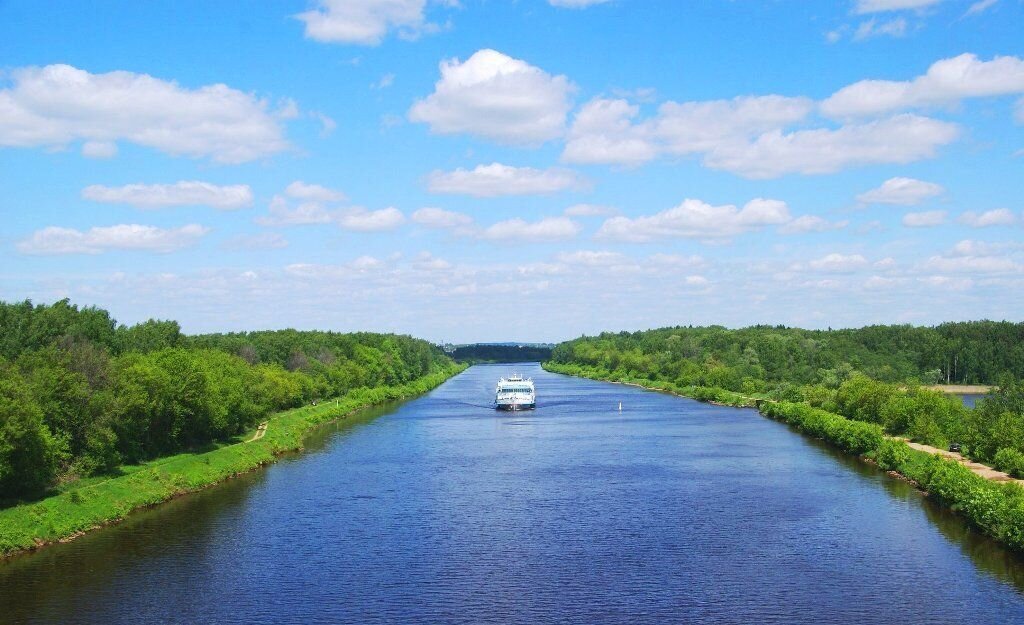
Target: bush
1011 461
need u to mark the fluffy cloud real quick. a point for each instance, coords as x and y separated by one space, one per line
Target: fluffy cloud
838 263
182 193
948 80
878 6
363 220
697 219
55 240
521 231
606 131
812 223
496 179
995 217
924 219
496 97
282 213
56 105
901 139
364 22
901 191
313 192
440 218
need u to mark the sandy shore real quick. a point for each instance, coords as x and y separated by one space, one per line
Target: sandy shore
962 389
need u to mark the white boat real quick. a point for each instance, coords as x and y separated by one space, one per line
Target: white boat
515 393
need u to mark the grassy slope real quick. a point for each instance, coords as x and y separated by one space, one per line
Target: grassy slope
98 502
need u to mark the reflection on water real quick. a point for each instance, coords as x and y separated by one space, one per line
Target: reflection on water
442 510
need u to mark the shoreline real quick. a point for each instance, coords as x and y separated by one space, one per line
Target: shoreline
962 389
29 527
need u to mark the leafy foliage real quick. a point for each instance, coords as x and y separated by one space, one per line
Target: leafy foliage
81 394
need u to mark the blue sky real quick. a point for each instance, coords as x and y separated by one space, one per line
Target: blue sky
515 170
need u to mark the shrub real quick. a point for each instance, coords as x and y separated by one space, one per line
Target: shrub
1011 461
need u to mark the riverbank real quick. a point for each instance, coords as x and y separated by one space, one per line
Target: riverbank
962 389
63 517
989 503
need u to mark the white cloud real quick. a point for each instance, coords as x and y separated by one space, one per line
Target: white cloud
99 149
603 132
589 210
56 240
697 219
838 263
56 105
973 264
946 81
496 97
980 7
900 139
995 217
879 6
592 258
281 213
496 180
521 231
874 28
606 131
901 191
365 22
440 218
363 220
264 241
385 81
182 193
811 223
924 219
575 4
313 192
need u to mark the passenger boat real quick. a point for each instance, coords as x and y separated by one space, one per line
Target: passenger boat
515 393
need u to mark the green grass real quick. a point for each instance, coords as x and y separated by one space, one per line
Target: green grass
93 502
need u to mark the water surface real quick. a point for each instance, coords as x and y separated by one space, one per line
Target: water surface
443 511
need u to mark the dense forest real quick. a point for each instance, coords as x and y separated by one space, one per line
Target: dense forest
482 352
81 394
761 356
872 374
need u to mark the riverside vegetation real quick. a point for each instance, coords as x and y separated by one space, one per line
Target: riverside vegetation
825 384
95 416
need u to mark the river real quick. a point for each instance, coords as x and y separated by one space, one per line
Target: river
439 510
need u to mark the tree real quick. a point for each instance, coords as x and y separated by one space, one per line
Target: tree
28 453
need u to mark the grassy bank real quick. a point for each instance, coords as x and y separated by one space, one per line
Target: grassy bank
101 501
997 509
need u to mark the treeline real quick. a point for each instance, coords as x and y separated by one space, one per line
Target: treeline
81 394
500 353
758 358
838 372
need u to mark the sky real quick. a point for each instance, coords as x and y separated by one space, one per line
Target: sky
528 170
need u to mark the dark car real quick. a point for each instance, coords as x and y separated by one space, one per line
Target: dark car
954 447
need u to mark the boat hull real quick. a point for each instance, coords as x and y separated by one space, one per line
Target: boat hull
514 407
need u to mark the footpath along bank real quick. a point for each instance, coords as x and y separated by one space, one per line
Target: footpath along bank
66 516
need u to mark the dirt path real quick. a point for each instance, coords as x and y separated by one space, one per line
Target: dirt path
977 468
260 431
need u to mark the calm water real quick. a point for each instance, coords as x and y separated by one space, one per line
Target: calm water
442 511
